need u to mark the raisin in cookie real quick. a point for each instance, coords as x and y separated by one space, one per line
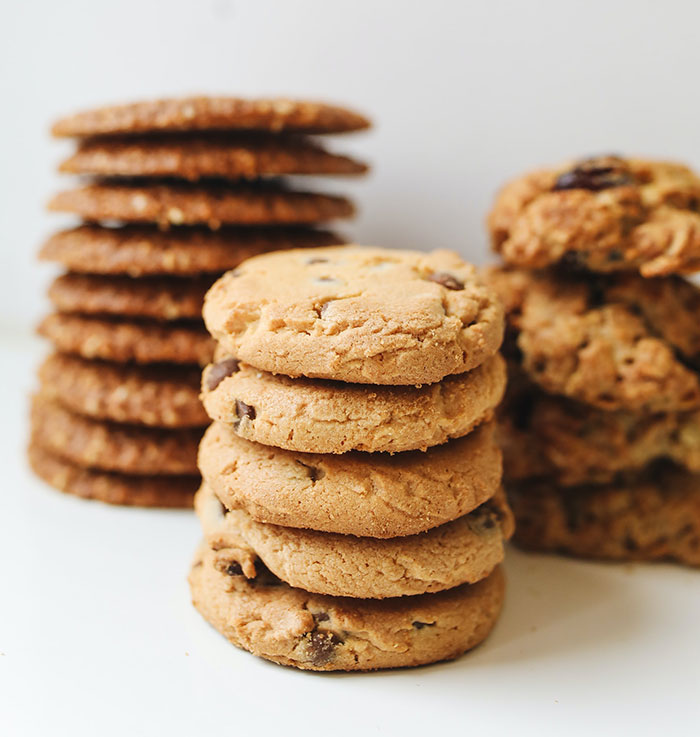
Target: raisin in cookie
604 214
463 551
315 632
356 314
319 416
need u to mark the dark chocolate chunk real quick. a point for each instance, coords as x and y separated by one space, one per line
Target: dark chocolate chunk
446 280
234 569
314 473
321 646
219 371
595 174
244 410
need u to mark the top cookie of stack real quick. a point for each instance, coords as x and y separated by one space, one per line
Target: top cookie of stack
601 441
179 192
352 458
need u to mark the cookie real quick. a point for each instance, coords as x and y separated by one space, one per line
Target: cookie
356 314
198 156
463 551
141 250
316 632
214 204
160 298
317 416
605 342
112 447
112 339
371 495
571 443
654 515
605 214
157 396
211 113
112 488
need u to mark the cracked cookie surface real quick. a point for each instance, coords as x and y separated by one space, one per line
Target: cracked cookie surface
613 342
605 214
356 314
654 515
319 416
372 495
463 551
317 632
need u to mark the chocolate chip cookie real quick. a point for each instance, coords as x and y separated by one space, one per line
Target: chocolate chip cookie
315 632
356 314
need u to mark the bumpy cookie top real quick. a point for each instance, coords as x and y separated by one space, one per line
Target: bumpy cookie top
356 314
619 342
211 113
605 214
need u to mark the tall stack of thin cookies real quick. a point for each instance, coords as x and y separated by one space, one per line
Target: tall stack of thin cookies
601 427
351 502
180 191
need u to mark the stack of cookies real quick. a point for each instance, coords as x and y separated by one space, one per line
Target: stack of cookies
351 502
179 192
601 426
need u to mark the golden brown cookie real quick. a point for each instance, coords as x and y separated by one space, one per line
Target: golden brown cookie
112 339
318 416
571 443
197 156
653 515
112 488
140 250
364 494
160 298
108 446
356 314
213 204
615 343
463 551
157 396
211 113
605 214
316 632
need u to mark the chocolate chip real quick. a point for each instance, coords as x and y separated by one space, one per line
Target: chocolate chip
631 544
314 473
321 617
219 371
446 280
234 569
321 646
615 255
244 410
595 174
420 625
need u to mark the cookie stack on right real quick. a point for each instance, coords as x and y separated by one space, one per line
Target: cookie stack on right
601 426
351 499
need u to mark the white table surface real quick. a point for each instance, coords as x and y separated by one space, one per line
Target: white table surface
98 637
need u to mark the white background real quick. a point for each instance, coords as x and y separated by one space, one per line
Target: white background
96 633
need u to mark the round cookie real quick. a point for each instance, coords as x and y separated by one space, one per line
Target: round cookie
141 250
654 515
160 298
372 495
463 551
571 443
318 416
326 633
194 157
111 339
112 488
211 113
356 314
214 204
157 396
112 447
605 214
607 342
